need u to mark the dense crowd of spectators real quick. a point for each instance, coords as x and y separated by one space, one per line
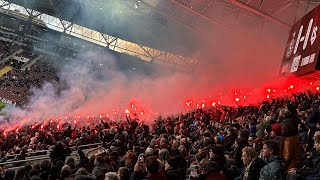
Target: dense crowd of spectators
277 139
15 85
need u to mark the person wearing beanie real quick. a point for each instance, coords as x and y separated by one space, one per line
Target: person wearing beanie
276 133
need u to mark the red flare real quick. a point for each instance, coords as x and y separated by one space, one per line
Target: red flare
237 99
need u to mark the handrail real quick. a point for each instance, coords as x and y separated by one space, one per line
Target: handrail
34 159
22 161
90 150
47 157
42 151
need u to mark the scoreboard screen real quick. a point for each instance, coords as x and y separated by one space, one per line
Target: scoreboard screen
302 50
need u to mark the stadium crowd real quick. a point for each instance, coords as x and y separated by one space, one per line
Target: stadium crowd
16 84
277 139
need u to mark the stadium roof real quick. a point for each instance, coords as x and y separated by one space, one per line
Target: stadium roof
170 25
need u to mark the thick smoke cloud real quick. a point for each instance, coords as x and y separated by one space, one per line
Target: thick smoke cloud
236 58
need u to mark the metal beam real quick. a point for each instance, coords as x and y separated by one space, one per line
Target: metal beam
262 14
275 13
168 15
239 14
113 43
197 13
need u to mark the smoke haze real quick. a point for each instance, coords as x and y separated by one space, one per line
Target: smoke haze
236 58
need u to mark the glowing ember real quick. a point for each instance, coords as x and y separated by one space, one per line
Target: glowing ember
100 116
268 96
202 105
213 104
75 121
269 90
291 87
317 88
127 111
237 99
41 126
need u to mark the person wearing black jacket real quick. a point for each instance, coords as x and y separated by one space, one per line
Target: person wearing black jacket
59 152
313 170
313 124
253 164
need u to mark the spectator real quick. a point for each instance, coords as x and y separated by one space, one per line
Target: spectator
111 176
100 168
312 172
252 164
212 172
273 170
